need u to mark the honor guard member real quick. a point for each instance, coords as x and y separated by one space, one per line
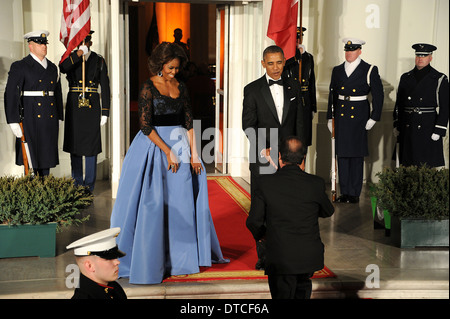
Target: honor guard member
421 111
33 97
84 119
308 83
97 257
351 82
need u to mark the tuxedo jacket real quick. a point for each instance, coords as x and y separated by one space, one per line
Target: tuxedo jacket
286 211
260 120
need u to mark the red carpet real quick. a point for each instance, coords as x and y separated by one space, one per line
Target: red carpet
230 204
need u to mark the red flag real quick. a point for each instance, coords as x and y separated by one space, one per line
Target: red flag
75 24
283 25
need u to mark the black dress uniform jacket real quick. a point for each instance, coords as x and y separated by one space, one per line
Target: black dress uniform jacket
82 126
351 116
91 290
421 109
259 112
308 86
41 114
285 211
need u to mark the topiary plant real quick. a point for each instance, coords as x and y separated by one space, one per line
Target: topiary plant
40 200
413 192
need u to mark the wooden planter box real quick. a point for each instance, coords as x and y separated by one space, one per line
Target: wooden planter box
28 240
410 233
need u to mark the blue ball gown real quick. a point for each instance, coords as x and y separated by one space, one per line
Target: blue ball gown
166 225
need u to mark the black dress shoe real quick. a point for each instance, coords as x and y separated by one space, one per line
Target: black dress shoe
353 199
343 199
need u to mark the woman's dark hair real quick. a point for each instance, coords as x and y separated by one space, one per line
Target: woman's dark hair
292 150
164 53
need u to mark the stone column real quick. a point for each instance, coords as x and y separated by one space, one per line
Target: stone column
12 49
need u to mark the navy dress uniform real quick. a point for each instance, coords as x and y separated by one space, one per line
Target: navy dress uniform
308 86
82 135
102 244
349 105
421 113
33 96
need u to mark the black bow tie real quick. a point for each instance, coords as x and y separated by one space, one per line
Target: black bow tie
279 82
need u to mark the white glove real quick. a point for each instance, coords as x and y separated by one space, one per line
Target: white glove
15 128
84 48
330 125
312 115
435 137
396 132
103 120
370 123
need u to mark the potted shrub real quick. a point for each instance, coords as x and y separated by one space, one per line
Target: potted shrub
33 209
417 199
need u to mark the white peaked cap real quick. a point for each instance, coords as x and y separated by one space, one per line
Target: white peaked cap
101 241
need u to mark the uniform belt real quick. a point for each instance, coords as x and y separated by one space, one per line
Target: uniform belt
79 89
38 93
305 88
420 110
352 98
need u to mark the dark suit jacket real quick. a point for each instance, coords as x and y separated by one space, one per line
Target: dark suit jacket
285 211
259 112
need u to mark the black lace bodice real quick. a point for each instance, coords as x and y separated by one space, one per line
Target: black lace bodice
156 109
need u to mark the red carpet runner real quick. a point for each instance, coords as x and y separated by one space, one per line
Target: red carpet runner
230 204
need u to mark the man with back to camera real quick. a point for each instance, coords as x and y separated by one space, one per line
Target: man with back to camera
421 111
348 103
272 109
33 96
285 211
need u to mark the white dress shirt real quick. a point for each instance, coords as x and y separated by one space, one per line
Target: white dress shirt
350 67
278 97
43 62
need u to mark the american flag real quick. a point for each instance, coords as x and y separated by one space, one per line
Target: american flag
75 24
283 25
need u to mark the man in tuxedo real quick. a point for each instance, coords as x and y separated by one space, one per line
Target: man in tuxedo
271 111
285 211
351 83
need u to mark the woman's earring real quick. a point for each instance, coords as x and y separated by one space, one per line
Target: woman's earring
159 73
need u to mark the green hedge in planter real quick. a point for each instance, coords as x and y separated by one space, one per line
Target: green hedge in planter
413 192
39 200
